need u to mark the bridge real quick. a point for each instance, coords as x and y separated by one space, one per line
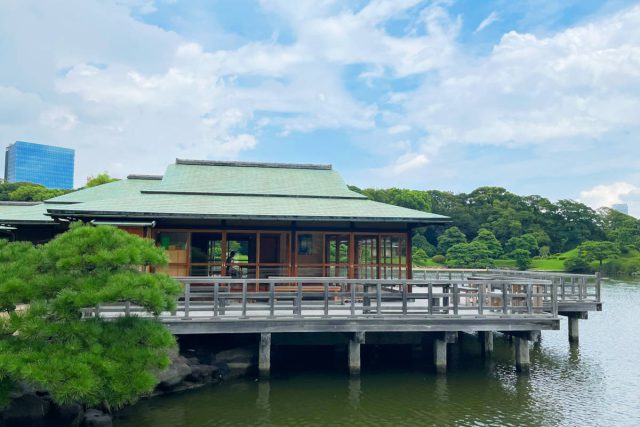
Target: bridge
441 302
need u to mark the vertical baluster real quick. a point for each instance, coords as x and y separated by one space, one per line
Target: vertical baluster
554 299
430 303
529 298
404 298
481 299
598 281
244 298
455 298
379 298
326 298
272 299
299 299
353 299
505 304
562 288
216 302
582 288
187 300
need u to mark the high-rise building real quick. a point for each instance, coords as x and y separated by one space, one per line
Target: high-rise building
621 207
40 164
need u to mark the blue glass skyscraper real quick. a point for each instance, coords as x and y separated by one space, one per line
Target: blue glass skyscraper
40 164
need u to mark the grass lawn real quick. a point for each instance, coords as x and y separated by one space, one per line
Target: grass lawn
551 264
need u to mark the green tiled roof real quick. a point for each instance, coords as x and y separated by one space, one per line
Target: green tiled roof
196 177
112 190
248 207
24 214
12 214
223 190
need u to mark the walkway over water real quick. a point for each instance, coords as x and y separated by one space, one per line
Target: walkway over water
435 300
444 302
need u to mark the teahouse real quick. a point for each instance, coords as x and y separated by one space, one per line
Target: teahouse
239 219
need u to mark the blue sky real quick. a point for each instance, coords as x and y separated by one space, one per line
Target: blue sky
538 97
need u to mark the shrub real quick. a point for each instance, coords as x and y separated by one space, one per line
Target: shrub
439 259
577 264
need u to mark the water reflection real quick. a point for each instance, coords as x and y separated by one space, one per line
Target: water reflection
595 383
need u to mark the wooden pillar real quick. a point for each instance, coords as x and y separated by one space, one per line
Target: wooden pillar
354 353
440 354
522 354
486 341
264 356
574 329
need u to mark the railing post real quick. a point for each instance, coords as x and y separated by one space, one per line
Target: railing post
127 308
455 299
481 299
598 283
96 310
562 289
505 305
244 298
529 298
326 298
430 302
366 300
554 299
187 300
216 302
582 288
404 298
379 298
272 299
353 298
298 309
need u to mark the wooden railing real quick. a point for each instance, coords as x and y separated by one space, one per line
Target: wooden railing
327 298
581 288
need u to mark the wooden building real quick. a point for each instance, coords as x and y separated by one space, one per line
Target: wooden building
249 220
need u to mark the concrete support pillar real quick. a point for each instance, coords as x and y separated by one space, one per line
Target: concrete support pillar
264 355
354 353
574 330
486 341
522 354
440 354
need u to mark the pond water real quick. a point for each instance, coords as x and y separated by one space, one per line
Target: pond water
594 383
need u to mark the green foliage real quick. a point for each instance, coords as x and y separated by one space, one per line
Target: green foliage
598 251
526 242
412 199
522 258
489 239
452 236
419 257
577 264
420 242
34 193
470 255
561 226
46 343
101 178
439 259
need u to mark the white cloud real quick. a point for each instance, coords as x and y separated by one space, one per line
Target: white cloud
493 17
606 195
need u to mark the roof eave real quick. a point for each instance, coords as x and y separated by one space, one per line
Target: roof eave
98 214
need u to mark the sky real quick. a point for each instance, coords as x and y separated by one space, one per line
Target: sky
537 97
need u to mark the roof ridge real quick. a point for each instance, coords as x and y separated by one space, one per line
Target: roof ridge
143 176
17 203
355 195
253 164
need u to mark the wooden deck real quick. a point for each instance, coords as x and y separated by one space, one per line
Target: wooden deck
290 304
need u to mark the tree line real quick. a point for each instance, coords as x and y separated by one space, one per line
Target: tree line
492 223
